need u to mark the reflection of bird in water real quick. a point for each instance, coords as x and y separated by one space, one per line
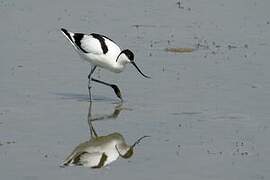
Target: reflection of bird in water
100 151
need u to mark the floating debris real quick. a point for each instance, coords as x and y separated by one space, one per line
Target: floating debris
144 25
231 47
179 4
179 50
10 142
7 142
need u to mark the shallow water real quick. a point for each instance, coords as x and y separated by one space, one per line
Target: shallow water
207 111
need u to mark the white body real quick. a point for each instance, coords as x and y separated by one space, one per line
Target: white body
95 54
89 153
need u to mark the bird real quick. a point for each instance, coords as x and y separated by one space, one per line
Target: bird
101 151
101 51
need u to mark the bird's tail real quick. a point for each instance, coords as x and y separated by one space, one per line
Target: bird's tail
68 35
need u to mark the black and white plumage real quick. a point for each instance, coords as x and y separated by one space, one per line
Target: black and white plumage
101 51
99 151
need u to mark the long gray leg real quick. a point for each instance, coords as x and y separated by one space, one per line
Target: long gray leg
93 133
93 68
115 87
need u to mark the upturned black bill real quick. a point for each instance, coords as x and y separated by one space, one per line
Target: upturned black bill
134 64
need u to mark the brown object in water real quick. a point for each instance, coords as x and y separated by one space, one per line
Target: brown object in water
179 50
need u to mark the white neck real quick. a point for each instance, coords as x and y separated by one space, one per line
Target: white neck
120 64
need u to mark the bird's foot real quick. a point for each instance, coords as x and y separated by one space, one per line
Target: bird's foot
117 92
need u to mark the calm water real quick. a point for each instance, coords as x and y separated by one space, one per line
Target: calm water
207 111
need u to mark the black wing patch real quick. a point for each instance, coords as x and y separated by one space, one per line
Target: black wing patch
78 37
102 161
108 38
101 40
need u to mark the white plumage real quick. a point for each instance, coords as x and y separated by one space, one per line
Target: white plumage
98 151
101 51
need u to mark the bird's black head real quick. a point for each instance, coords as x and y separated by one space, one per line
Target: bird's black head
128 154
129 59
129 54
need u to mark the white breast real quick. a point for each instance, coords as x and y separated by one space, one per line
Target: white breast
108 60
